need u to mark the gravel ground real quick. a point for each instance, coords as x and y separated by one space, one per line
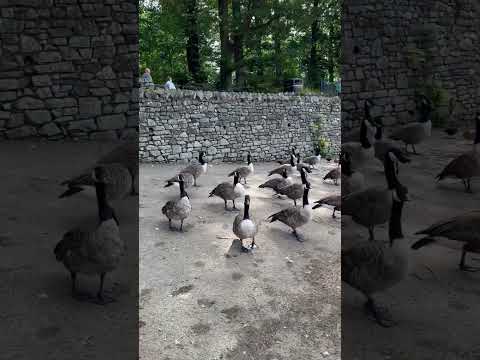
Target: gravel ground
437 305
39 317
200 299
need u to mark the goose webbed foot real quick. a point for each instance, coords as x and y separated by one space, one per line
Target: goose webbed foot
381 314
298 236
170 224
102 298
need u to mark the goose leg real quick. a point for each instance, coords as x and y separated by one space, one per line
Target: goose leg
371 234
170 224
181 225
381 315
295 202
464 267
225 204
252 245
469 186
75 293
414 150
103 299
333 215
234 207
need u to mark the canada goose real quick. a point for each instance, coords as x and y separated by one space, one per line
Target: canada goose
287 162
373 267
95 252
465 166
334 201
295 217
178 209
289 167
125 154
360 152
244 226
197 170
416 132
116 177
227 191
354 135
276 183
313 160
371 206
244 171
333 174
301 165
351 180
382 146
464 228
188 180
294 191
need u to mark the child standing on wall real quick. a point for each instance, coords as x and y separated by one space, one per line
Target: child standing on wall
169 85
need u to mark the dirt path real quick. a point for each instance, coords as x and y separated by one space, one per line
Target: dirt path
438 310
281 302
38 316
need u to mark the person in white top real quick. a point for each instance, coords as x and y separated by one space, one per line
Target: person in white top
169 85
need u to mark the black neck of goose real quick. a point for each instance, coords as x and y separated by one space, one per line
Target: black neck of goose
390 172
291 160
246 210
425 111
317 151
105 212
305 196
367 110
284 174
378 133
249 159
235 180
363 135
395 222
200 159
346 167
477 129
303 176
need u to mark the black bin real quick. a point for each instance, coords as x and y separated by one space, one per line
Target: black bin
293 86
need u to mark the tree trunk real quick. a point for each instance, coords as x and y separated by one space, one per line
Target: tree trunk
193 41
225 50
313 64
237 37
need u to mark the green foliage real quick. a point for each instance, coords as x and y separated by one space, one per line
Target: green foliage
276 44
321 142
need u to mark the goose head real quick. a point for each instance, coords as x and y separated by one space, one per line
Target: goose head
395 221
392 158
303 176
181 184
105 211
236 177
306 189
201 159
284 173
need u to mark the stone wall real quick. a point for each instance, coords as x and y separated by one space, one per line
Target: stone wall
392 48
176 125
68 68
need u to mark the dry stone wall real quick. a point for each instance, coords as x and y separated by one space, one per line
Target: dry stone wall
176 125
68 68
392 48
